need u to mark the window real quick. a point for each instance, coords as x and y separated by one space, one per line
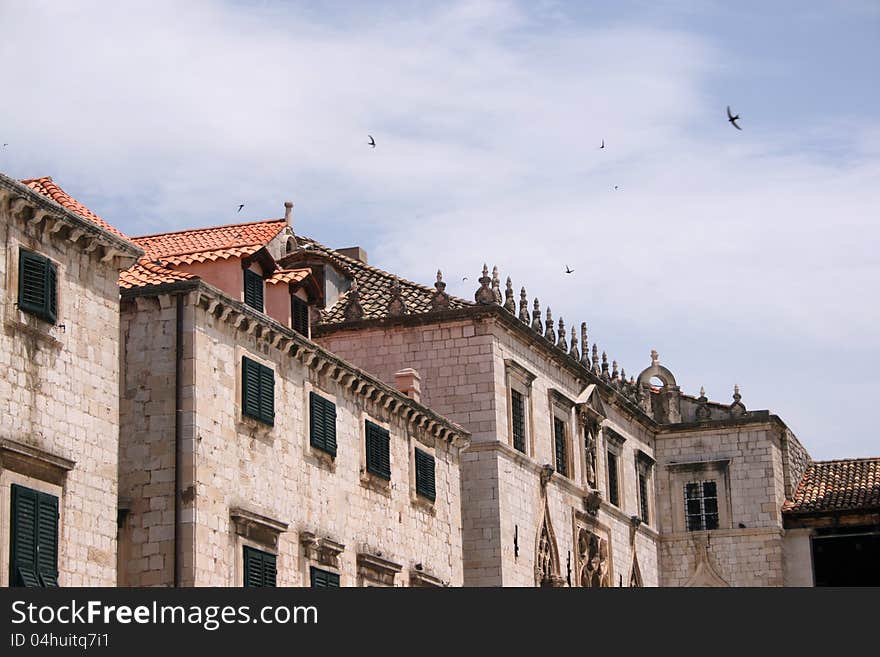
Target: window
322 424
613 488
643 497
259 567
378 450
300 316
253 289
518 420
559 443
37 285
33 558
257 391
324 579
701 505
425 485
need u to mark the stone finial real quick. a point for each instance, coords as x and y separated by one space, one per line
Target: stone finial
737 408
736 395
396 304
549 333
585 349
573 352
496 285
509 302
523 307
604 364
655 357
353 309
596 369
623 375
561 342
614 373
484 293
440 300
537 326
702 392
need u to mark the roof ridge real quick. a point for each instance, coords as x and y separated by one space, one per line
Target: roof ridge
207 228
857 459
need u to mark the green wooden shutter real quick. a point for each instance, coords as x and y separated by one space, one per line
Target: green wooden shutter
267 394
425 485
253 289
322 420
37 285
300 315
378 450
559 436
260 568
250 388
47 539
323 579
23 552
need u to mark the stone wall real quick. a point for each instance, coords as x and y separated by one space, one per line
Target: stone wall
59 395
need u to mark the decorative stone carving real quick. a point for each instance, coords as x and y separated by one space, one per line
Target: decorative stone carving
484 293
703 411
585 349
523 307
593 560
509 302
592 502
353 309
704 573
537 326
440 300
496 286
549 333
573 352
257 527
321 550
396 304
737 408
596 369
604 365
547 554
590 433
546 473
376 570
561 343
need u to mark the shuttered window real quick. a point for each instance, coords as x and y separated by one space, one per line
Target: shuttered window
37 285
559 441
425 475
378 450
518 418
322 423
643 497
613 492
300 315
33 559
253 289
257 391
324 579
259 568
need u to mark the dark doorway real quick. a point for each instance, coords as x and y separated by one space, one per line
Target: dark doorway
851 559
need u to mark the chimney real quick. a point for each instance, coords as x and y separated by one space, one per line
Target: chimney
409 383
288 213
355 253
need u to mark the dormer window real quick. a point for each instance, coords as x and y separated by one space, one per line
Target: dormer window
253 289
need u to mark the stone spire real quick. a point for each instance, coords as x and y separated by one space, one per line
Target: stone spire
440 300
537 326
561 343
585 349
604 364
353 309
523 307
614 373
596 369
573 352
496 285
484 293
549 333
509 302
396 304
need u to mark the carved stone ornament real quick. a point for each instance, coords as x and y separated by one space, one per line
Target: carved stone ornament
353 309
592 502
321 550
396 304
484 293
440 300
593 560
546 473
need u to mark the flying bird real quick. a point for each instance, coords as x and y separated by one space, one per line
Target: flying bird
372 141
615 187
568 271
733 119
603 144
465 278
240 207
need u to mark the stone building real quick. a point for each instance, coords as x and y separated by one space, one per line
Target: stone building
59 393
251 455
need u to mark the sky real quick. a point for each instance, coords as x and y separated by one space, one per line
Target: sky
743 257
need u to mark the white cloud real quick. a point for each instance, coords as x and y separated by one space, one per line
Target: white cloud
727 250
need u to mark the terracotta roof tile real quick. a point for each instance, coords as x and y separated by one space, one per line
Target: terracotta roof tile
144 272
288 276
844 485
212 243
374 288
50 189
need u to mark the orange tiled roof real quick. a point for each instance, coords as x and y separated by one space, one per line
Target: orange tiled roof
843 485
288 276
50 189
213 243
144 272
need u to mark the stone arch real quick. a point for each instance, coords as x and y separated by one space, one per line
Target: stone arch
635 575
546 553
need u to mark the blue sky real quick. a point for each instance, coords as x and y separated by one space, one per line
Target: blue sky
742 257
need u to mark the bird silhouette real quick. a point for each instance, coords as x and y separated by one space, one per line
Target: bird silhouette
568 271
603 144
465 278
372 141
615 187
733 119
240 207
